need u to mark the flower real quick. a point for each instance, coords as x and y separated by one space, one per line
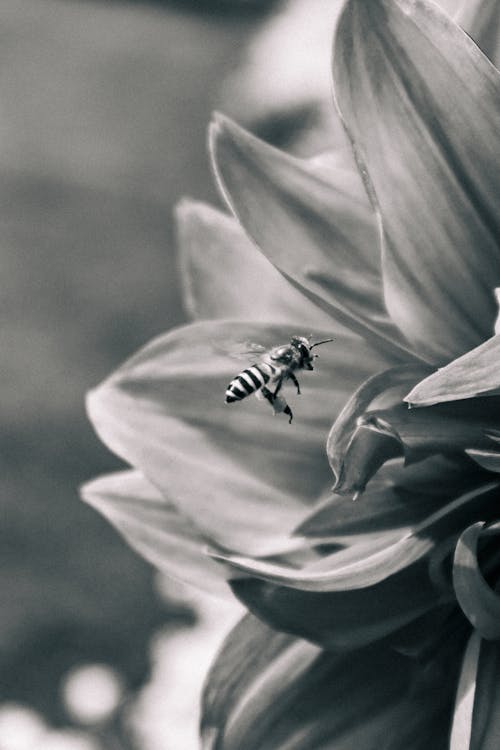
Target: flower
375 622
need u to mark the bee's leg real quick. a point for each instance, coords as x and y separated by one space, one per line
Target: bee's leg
268 395
277 402
295 382
278 387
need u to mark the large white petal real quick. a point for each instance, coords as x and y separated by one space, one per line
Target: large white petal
241 474
155 528
225 275
421 103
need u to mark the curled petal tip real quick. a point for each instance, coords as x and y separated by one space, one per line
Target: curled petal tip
216 121
408 400
225 132
219 118
219 124
214 130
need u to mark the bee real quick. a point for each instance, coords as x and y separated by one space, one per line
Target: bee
275 367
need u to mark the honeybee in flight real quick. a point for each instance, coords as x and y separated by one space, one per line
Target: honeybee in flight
275 367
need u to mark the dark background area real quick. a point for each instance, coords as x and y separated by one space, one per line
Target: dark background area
104 107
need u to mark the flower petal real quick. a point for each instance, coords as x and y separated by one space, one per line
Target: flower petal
155 529
421 104
476 722
376 556
302 698
241 475
497 321
350 465
376 425
245 662
319 233
225 275
489 460
478 600
481 20
475 373
443 428
464 704
486 716
435 632
397 498
347 618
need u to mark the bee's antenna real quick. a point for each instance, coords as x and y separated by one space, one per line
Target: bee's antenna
326 341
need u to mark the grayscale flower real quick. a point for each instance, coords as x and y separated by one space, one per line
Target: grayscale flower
366 615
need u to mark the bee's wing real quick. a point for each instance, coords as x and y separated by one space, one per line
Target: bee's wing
243 350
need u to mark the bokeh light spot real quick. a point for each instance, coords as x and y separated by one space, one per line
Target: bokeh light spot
92 692
67 740
20 727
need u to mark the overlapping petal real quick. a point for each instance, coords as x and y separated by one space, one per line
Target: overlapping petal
243 476
444 428
489 460
155 529
301 698
475 373
421 104
464 703
246 661
355 450
439 429
478 600
373 557
486 716
476 721
224 274
317 230
481 19
348 618
376 424
398 497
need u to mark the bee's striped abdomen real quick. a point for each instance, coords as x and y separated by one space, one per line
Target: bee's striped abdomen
249 381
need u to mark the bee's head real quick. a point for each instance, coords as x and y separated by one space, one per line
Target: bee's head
303 346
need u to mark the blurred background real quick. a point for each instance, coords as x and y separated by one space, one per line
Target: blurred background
103 113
